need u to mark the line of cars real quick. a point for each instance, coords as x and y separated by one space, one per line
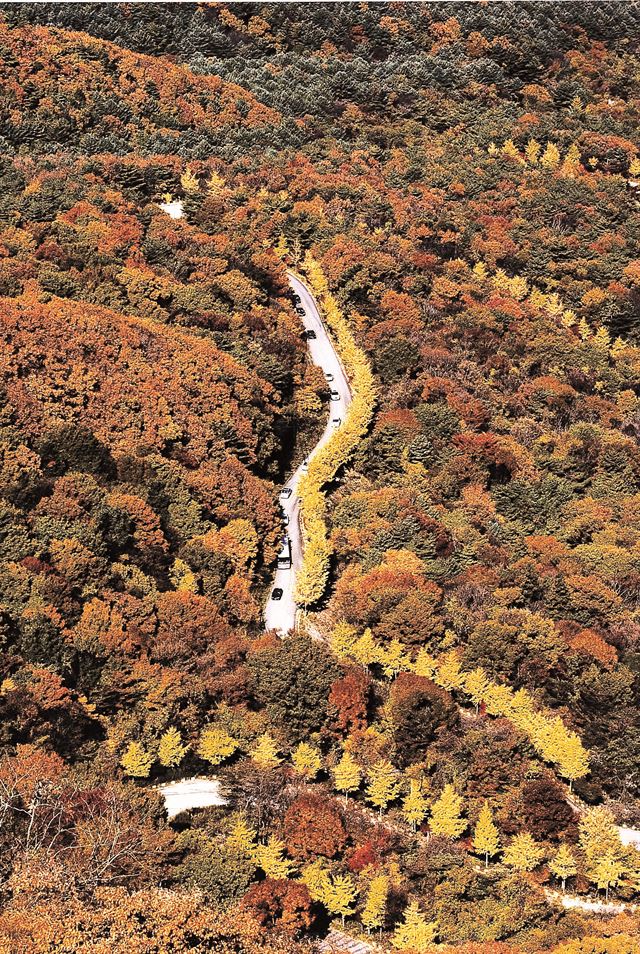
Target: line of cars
285 556
308 334
333 396
284 561
297 303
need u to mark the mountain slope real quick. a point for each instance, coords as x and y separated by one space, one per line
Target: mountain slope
64 90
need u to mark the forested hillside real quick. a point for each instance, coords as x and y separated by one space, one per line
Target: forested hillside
452 739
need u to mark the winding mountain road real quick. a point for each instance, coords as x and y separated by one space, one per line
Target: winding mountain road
280 615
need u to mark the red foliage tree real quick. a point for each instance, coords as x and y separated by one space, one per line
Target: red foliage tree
348 701
286 905
313 826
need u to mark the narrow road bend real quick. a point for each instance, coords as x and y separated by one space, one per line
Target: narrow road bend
280 615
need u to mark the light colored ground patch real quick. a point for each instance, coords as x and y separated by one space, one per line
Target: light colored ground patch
589 904
630 836
174 209
337 942
190 793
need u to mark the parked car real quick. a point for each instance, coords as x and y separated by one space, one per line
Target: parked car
284 557
309 334
285 493
336 421
328 376
295 298
334 395
276 593
301 311
285 519
305 466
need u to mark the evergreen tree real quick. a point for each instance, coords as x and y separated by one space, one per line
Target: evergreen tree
446 814
558 598
293 684
486 840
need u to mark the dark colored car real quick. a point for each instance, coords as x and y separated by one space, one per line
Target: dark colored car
276 594
301 311
296 299
309 333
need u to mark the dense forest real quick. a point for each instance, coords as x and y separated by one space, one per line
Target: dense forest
445 755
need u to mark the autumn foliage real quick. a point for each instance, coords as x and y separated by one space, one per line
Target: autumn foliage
446 754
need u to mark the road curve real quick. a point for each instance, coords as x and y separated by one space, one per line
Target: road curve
280 615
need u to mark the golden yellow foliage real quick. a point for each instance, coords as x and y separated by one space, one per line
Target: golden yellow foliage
312 576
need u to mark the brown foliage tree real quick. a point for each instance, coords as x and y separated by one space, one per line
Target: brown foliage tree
313 826
348 700
285 905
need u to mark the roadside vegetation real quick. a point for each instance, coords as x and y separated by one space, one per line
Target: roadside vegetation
311 580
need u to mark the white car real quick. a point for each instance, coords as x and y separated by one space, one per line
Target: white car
336 421
329 377
334 395
285 493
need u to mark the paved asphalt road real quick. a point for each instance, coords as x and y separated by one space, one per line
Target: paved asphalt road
280 615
